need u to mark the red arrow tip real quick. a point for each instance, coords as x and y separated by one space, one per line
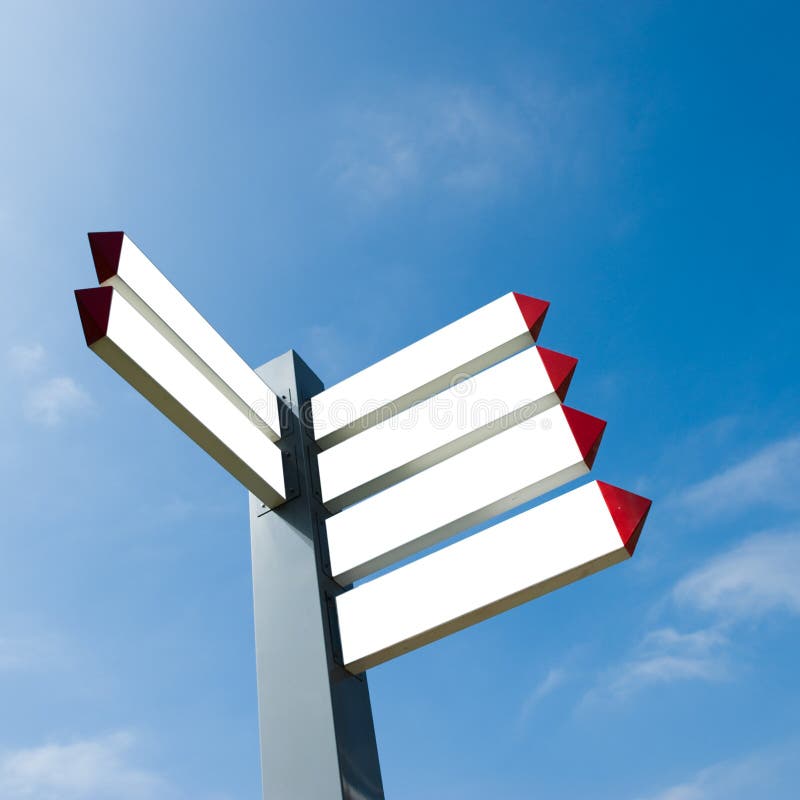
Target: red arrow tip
94 306
106 249
628 510
532 311
587 430
560 369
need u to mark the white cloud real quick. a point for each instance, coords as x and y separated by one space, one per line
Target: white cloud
466 140
26 358
767 478
771 774
46 401
30 652
50 401
448 136
101 769
756 576
554 678
753 578
382 168
665 656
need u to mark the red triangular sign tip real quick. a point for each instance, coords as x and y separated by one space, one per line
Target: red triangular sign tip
94 306
532 311
587 430
628 510
106 248
559 368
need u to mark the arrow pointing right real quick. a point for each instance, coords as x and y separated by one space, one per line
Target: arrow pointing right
464 347
453 420
545 548
492 477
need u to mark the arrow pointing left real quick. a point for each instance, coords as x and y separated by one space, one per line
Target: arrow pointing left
120 264
132 347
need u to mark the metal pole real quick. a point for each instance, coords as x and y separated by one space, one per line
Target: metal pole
315 719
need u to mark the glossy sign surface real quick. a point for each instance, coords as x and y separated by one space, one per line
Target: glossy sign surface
120 264
127 342
492 477
449 422
538 551
428 366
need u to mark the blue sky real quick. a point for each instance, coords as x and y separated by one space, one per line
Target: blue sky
343 180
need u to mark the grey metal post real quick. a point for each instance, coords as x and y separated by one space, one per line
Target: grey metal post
315 719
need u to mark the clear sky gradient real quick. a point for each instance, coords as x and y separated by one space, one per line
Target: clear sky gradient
343 179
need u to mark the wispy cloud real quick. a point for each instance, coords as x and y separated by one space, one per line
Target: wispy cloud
102 767
26 358
767 478
555 678
49 402
30 652
665 656
466 139
771 773
757 576
450 136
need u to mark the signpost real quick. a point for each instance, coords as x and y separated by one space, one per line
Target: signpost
444 435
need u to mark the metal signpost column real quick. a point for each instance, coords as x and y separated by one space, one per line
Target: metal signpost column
317 735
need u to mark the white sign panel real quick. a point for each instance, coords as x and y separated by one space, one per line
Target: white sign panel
451 421
130 345
492 477
120 264
538 551
422 369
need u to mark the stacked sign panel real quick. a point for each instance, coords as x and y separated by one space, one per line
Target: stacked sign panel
447 423
422 369
545 548
145 330
407 462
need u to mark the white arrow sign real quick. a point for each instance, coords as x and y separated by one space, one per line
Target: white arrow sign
545 548
126 341
490 478
422 369
453 420
120 264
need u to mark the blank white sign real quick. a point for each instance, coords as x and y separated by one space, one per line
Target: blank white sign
545 548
